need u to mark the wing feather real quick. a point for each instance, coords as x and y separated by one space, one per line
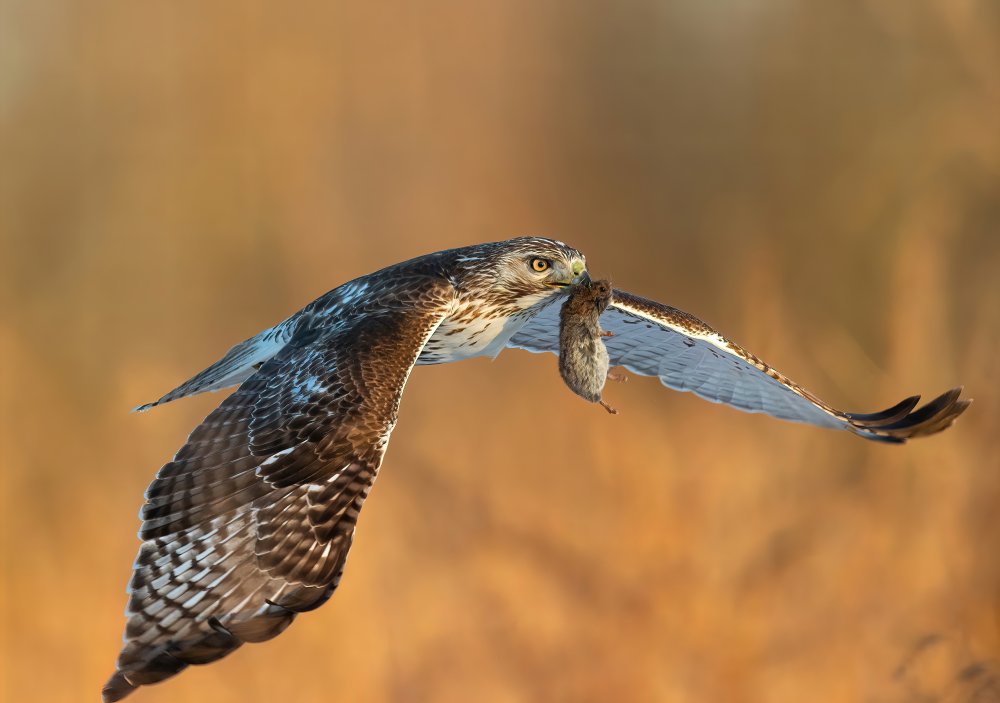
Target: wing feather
252 521
652 339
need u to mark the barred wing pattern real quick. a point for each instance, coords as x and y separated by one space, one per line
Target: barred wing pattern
251 522
652 339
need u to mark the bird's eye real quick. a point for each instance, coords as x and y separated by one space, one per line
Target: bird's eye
540 265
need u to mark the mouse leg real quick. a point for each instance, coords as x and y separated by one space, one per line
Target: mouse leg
617 377
607 407
607 333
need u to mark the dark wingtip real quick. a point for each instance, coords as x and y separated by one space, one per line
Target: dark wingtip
897 425
888 416
143 408
116 688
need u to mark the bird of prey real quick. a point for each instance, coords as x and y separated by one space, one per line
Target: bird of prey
252 520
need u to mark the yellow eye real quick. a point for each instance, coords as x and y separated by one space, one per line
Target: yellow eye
540 265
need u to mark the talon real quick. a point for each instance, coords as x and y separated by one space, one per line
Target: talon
607 333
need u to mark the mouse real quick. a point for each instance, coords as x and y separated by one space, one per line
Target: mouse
583 358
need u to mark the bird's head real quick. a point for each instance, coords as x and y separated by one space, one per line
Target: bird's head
531 269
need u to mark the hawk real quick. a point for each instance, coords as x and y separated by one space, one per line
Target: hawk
251 522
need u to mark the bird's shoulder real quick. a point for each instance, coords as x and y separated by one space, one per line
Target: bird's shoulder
425 283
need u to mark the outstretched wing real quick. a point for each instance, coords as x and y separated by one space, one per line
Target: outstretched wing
251 522
652 339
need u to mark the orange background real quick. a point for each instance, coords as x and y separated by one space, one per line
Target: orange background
818 180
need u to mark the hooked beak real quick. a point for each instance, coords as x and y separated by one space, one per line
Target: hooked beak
576 275
580 274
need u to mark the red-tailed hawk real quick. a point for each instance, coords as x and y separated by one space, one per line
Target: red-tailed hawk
251 522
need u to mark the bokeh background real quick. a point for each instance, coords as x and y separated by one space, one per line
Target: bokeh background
821 181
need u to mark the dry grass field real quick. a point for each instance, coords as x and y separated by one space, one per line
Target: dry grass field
820 181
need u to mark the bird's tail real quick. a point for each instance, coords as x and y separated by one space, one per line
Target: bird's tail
239 363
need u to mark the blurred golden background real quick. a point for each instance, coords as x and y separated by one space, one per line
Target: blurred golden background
820 181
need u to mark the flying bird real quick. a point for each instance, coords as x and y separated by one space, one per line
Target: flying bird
251 522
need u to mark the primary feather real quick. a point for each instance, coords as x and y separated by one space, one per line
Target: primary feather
652 339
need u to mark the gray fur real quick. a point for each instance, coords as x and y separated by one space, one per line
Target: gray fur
583 358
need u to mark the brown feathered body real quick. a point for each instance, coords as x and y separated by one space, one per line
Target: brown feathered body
251 522
583 358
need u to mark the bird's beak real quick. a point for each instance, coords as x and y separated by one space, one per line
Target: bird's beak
572 275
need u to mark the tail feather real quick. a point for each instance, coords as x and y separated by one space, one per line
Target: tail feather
239 363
